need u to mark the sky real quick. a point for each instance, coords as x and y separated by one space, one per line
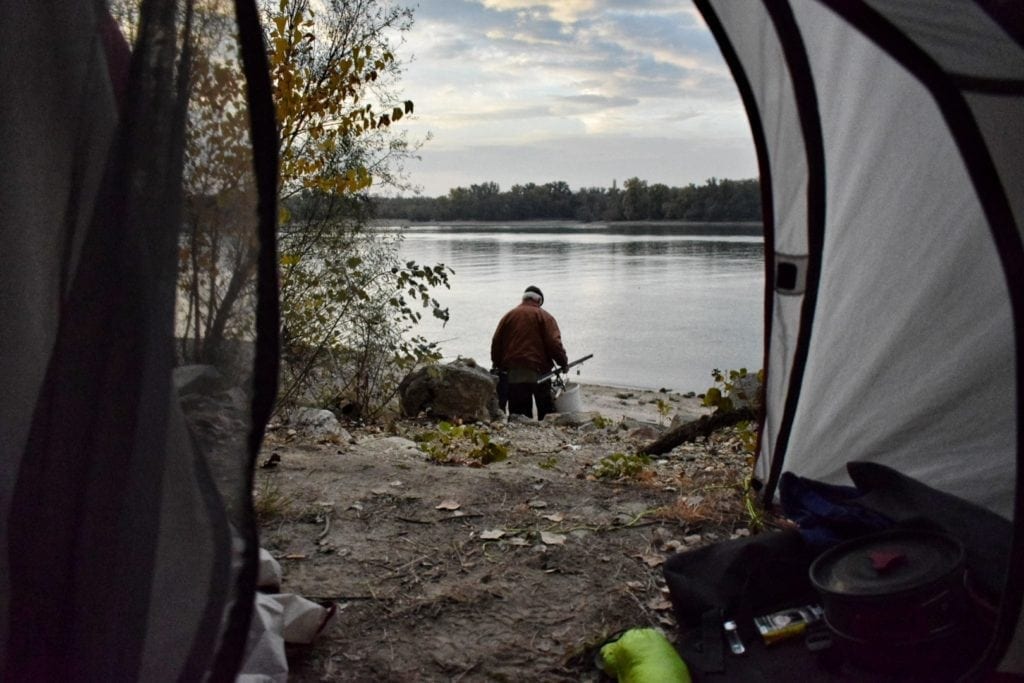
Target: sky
590 92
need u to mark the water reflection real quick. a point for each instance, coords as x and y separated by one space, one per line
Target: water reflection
657 309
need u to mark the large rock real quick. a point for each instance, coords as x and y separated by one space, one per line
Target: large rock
746 392
459 390
198 379
322 424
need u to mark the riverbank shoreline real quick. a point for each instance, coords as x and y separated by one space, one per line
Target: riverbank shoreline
639 404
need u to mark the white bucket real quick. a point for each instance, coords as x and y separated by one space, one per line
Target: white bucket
569 401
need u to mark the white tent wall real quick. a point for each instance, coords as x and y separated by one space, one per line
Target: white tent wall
779 126
905 347
901 369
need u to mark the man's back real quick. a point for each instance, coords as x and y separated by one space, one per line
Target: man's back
528 337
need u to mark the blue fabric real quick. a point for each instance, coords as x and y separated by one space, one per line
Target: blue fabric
827 514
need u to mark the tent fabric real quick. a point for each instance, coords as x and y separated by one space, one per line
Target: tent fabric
127 543
889 137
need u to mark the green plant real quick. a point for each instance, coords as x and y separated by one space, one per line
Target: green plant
747 433
462 444
755 513
600 421
726 386
270 503
548 463
664 408
621 466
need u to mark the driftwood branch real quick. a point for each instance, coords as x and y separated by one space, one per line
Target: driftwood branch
705 426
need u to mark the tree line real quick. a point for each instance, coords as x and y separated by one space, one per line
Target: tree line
715 201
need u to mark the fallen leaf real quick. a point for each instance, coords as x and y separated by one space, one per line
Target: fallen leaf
378 492
396 482
651 560
659 604
537 504
518 540
448 505
491 534
555 517
355 506
548 538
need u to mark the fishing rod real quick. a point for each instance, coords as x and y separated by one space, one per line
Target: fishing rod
557 371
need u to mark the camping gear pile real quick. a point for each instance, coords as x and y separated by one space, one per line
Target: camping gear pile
889 139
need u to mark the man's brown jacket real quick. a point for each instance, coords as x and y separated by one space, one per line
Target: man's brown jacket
528 337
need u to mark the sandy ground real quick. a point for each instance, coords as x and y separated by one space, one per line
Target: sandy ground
640 404
517 570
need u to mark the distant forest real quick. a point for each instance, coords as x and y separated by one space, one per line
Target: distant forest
714 201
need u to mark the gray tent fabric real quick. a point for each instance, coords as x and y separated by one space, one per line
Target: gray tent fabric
127 544
890 137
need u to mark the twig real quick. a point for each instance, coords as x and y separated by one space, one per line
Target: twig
457 517
412 520
463 674
327 527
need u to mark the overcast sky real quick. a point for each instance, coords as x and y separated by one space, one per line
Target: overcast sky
584 91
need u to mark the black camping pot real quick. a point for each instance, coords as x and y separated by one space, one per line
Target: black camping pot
892 592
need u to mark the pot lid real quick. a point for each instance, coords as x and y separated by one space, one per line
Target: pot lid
887 563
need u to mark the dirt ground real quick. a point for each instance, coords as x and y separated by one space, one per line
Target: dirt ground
517 570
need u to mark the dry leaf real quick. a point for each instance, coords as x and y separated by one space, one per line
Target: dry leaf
491 534
556 517
518 540
651 560
448 505
537 504
378 492
548 538
659 604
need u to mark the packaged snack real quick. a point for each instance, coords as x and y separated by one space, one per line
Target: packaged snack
787 623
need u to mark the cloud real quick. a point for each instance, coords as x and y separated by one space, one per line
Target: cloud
601 101
562 11
522 73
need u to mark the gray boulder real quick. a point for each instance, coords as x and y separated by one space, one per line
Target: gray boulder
321 424
198 379
458 390
746 392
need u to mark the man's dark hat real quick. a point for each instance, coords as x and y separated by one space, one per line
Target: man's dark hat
536 290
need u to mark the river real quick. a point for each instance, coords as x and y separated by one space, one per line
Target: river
657 307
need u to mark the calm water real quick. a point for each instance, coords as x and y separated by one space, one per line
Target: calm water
656 308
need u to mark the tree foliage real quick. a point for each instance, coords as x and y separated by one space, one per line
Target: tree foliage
715 201
348 303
